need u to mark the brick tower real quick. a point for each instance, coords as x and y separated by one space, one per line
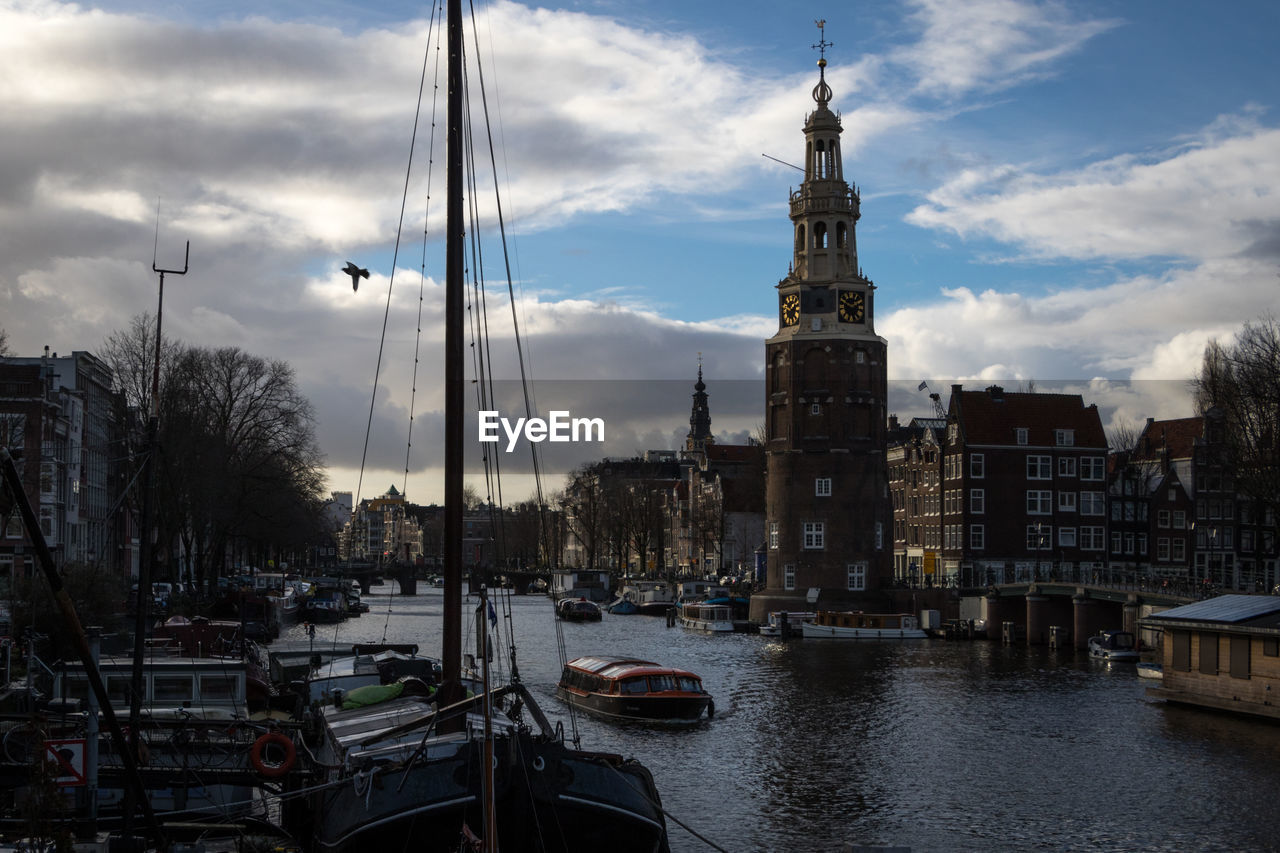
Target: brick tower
828 520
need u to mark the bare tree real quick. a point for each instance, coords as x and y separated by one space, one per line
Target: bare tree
1123 436
1241 380
4 343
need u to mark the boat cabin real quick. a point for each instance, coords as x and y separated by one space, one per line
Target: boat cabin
629 688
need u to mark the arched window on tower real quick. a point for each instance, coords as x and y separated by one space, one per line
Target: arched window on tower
799 238
820 235
775 377
842 235
820 160
829 160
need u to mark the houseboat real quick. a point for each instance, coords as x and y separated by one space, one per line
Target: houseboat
592 585
652 598
705 616
621 688
1113 646
578 610
857 625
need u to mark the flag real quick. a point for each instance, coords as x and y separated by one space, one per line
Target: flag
493 616
922 386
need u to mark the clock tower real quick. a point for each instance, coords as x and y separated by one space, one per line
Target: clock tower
828 521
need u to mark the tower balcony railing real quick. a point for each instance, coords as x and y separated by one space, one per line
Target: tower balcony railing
803 202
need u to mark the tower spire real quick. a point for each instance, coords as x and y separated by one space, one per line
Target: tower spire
822 92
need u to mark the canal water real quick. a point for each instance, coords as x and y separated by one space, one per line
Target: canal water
924 744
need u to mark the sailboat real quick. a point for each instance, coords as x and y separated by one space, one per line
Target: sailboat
464 764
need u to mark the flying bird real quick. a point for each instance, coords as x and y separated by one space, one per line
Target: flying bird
356 274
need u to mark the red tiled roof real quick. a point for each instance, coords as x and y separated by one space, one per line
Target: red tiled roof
733 452
1178 435
990 418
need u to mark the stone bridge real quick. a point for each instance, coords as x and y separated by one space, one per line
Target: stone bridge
1051 612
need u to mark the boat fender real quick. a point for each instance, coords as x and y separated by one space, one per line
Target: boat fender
711 709
273 770
538 763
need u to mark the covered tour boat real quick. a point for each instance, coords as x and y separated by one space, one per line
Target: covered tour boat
857 625
578 610
623 688
705 616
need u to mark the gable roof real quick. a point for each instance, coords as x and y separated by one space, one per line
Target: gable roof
990 417
1178 435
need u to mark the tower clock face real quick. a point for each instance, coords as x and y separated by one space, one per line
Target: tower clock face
791 309
853 307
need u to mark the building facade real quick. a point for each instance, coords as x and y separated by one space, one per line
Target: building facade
1024 488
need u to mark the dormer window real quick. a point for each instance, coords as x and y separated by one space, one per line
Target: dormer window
1020 435
1064 437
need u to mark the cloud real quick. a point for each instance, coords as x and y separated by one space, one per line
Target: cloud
987 45
1214 197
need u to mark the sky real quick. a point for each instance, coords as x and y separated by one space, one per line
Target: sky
1074 195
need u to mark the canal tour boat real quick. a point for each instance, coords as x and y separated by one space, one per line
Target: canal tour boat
857 625
1113 646
705 616
621 688
578 610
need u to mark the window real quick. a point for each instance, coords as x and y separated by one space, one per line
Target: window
860 357
1039 537
1066 466
822 487
1066 537
773 535
1179 547
1064 437
1179 519
1208 654
1117 542
170 688
1039 502
1162 518
789 576
1091 538
1039 467
879 536
1066 501
1020 435
1128 543
857 576
815 409
1142 544
1093 503
814 535
976 466
1271 647
1093 468
1182 651
978 501
977 536
1162 548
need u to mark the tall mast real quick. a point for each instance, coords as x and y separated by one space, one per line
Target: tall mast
451 649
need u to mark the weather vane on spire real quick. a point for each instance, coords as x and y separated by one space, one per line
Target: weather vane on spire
822 44
822 92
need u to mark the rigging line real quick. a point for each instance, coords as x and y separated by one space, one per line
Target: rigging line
524 381
426 218
395 254
483 352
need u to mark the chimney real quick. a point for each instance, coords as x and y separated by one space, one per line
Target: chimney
997 393
893 422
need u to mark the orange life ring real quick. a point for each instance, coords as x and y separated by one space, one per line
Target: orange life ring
272 771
